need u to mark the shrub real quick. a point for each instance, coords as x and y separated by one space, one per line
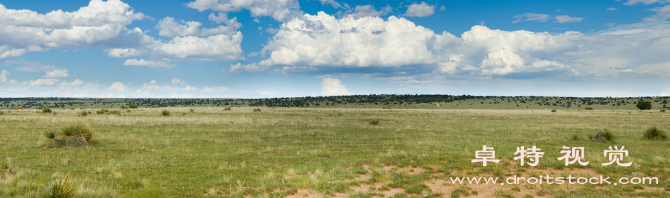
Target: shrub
643 105
165 113
373 121
608 136
19 107
575 137
61 189
2 113
47 110
124 107
553 110
192 111
257 109
654 134
226 109
78 129
588 108
115 112
132 106
82 113
51 134
101 111
662 110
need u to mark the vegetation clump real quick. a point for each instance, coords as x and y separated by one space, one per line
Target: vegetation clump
655 134
72 135
374 121
60 189
83 113
257 109
47 110
226 109
165 113
605 136
588 108
102 111
553 110
643 105
132 106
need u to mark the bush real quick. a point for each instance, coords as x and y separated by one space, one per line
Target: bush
257 109
192 111
101 111
226 109
132 106
47 110
165 113
2 113
373 121
654 134
588 108
643 105
82 113
19 107
61 189
115 112
78 129
608 136
51 134
124 107
662 110
553 110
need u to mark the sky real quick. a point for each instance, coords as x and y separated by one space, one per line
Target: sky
292 48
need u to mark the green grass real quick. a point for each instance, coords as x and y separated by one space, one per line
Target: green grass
280 151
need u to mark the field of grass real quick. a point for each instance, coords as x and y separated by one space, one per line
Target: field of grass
324 152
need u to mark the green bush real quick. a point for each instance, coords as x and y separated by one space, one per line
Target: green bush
257 109
72 130
374 121
643 105
61 189
654 134
51 134
102 111
132 106
124 107
226 109
165 113
553 110
115 112
47 110
607 135
192 111
588 108
82 113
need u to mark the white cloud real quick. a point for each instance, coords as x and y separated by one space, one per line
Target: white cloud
171 28
57 73
177 81
247 68
215 89
611 9
150 64
662 14
3 76
532 17
333 3
645 2
567 19
30 66
283 10
368 11
118 86
333 87
213 48
41 82
420 10
88 26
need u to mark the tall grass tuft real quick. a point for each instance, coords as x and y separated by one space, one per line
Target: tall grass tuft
165 113
61 189
132 106
553 110
607 135
374 121
51 134
588 108
78 129
257 109
226 109
83 113
47 110
655 134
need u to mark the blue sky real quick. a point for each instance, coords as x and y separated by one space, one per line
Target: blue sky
291 48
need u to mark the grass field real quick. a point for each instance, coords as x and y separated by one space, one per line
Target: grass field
324 152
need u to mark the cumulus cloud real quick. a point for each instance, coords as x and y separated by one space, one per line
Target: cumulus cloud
420 10
531 17
150 64
333 87
118 86
567 19
247 68
368 11
57 73
645 2
282 11
171 28
24 30
3 76
213 48
177 81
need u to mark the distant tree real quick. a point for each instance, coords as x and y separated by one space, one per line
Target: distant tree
642 105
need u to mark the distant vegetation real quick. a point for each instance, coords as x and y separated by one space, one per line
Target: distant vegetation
354 101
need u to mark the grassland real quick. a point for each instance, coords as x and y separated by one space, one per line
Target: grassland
324 152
